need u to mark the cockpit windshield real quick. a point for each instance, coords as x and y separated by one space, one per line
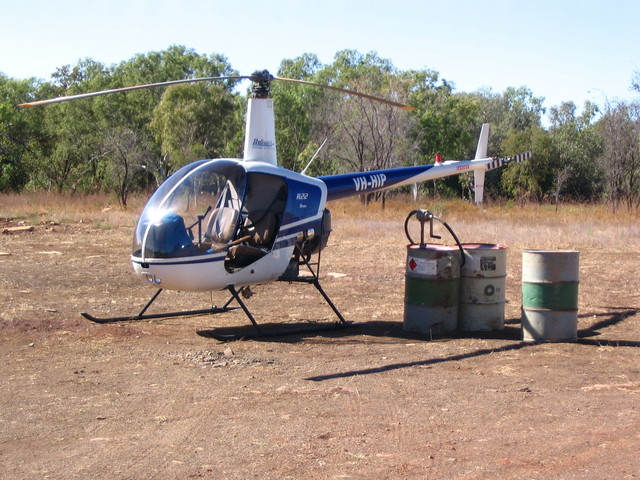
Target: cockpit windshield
193 212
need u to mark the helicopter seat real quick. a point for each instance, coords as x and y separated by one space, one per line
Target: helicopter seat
260 226
221 225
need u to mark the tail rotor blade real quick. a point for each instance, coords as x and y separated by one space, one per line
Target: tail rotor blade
501 162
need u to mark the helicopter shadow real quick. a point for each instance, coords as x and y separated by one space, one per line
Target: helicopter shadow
509 333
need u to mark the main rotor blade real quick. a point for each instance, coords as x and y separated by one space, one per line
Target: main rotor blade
67 98
350 92
125 89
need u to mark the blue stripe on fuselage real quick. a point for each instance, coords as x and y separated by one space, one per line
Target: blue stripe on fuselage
347 184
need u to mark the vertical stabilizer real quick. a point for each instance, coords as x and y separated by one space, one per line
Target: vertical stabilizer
478 173
481 151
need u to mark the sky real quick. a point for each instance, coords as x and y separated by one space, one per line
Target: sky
562 50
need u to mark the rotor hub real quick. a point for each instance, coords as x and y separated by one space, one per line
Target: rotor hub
261 83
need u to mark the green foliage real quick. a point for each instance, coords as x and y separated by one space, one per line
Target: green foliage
195 121
294 105
363 135
578 146
526 181
131 141
19 134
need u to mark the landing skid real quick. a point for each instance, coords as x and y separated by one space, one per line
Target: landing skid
142 316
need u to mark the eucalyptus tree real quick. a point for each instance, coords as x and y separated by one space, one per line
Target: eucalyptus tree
515 116
363 134
197 121
531 180
71 160
295 104
20 134
444 123
177 124
359 124
620 127
578 176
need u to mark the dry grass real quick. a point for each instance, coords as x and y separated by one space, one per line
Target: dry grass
515 225
45 207
526 226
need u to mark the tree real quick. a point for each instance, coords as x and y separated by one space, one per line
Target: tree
126 158
513 114
531 180
369 132
19 134
95 143
195 121
620 127
70 158
577 145
445 123
295 106
635 82
365 134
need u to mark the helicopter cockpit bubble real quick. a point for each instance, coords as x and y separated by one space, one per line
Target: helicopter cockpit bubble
178 219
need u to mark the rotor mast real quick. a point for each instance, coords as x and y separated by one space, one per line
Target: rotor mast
260 133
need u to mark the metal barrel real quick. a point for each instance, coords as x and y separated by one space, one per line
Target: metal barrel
432 283
482 287
550 280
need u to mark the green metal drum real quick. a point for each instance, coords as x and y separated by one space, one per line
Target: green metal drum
550 280
432 283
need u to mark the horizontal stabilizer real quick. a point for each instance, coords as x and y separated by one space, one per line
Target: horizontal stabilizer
501 162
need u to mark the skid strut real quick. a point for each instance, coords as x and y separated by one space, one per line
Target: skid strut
295 277
261 333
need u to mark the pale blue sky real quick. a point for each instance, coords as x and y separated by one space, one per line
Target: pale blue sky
562 50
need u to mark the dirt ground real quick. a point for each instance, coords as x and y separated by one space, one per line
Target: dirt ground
155 400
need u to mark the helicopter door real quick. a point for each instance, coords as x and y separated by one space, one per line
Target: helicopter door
263 208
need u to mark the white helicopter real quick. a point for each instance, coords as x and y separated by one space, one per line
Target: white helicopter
232 223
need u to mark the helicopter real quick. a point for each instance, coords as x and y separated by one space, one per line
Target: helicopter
230 223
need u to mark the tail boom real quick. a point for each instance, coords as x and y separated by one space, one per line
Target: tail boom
348 184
